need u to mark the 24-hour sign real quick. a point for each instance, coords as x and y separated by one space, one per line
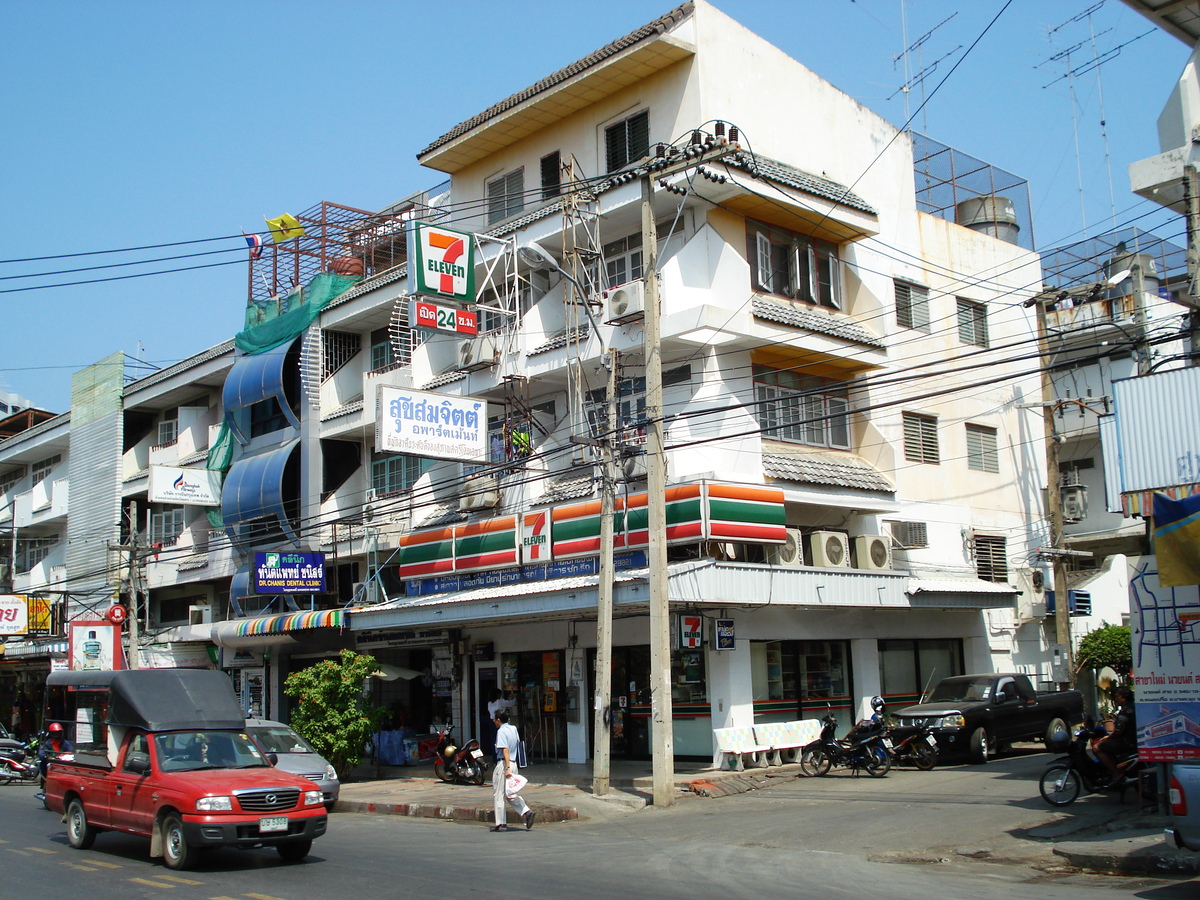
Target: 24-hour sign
424 314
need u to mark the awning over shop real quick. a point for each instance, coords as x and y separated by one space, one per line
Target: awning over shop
274 630
33 649
959 593
255 488
254 379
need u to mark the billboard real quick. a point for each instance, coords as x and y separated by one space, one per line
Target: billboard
185 486
95 645
289 573
436 426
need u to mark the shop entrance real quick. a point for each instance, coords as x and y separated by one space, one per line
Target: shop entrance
907 668
535 682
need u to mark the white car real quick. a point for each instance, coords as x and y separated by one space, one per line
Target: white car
1184 794
296 755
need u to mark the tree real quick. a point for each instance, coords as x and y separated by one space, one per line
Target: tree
330 712
1108 645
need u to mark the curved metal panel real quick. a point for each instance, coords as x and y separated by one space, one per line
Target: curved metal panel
254 378
254 488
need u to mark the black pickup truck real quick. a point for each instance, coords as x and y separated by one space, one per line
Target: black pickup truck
980 714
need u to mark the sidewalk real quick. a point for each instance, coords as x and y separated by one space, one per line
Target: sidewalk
1111 838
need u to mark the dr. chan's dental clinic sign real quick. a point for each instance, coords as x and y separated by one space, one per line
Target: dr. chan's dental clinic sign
439 426
442 263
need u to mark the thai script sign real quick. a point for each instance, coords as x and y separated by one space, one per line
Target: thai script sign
723 634
437 426
423 314
498 578
289 573
441 262
185 486
14 614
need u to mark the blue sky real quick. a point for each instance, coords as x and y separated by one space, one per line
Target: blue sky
136 123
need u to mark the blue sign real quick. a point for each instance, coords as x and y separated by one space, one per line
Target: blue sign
566 568
723 634
289 573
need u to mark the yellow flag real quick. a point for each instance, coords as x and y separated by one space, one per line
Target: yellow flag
285 228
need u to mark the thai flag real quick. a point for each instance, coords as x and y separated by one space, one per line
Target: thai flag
254 242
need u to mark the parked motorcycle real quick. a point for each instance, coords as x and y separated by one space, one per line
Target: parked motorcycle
865 747
453 762
1079 770
19 764
918 745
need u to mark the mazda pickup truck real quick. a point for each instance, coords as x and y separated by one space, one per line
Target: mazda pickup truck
981 714
171 760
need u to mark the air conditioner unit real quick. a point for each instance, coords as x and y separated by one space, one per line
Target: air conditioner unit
830 549
480 492
625 302
1079 603
790 553
633 467
365 593
199 614
478 352
874 551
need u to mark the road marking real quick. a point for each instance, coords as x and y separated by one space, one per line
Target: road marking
176 878
261 897
147 881
41 850
15 850
107 865
79 866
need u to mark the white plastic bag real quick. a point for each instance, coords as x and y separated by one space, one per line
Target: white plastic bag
514 783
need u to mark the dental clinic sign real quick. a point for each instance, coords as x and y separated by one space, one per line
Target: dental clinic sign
289 573
437 426
441 263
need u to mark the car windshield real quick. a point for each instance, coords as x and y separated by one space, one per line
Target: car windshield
280 739
189 751
964 689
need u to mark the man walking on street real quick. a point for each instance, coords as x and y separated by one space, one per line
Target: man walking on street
507 740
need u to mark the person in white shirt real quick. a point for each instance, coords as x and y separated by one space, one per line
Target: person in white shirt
507 740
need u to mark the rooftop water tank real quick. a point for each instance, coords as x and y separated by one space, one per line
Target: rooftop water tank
989 214
1124 262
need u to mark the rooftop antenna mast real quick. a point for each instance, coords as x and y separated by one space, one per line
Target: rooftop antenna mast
924 72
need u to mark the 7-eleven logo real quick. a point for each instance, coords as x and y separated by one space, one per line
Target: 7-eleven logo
535 537
445 262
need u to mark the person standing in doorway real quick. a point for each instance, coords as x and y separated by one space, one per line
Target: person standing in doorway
496 703
507 740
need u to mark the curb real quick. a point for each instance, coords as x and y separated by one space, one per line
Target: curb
449 813
1146 860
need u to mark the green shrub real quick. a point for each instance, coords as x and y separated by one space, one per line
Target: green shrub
1108 645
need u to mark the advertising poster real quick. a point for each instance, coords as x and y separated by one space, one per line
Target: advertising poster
1165 629
289 573
95 646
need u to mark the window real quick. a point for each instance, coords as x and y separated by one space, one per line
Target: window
920 439
10 481
804 409
506 195
623 260
982 455
266 416
627 141
912 306
803 268
392 473
168 427
384 353
631 405
972 323
40 469
551 175
33 551
339 348
991 557
166 526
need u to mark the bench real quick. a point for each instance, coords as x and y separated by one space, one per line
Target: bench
767 744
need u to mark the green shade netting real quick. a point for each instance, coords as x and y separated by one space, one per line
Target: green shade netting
220 457
279 321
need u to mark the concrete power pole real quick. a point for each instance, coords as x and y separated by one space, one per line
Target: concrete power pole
602 722
134 576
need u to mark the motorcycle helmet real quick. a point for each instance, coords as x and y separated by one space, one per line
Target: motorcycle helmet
55 728
877 704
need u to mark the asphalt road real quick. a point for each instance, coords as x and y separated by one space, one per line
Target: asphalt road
800 838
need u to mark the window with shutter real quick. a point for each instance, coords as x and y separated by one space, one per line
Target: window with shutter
627 141
794 265
803 409
920 439
972 323
506 195
912 306
982 452
551 175
991 557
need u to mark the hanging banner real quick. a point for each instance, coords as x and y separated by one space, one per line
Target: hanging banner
441 262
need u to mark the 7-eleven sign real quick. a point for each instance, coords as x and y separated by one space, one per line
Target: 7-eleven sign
441 262
535 538
690 634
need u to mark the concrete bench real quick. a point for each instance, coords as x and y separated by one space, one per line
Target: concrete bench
737 748
767 744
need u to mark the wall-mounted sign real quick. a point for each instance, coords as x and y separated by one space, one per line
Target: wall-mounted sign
535 537
424 314
14 614
421 637
289 573
690 634
723 634
441 262
95 645
437 426
185 486
483 651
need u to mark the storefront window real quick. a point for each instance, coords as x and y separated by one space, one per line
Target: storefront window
802 679
908 667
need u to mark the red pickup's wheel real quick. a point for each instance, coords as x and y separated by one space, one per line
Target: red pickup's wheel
294 851
80 832
176 852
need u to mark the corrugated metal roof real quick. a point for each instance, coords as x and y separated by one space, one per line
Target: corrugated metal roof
659 26
838 470
809 320
1156 446
1180 18
568 489
222 349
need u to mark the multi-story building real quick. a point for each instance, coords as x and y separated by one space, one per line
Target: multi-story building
853 468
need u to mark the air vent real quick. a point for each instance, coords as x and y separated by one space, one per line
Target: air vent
909 535
478 352
480 492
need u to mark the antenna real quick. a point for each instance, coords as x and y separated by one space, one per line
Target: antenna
924 72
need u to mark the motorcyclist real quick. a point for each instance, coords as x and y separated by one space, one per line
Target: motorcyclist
56 743
1123 739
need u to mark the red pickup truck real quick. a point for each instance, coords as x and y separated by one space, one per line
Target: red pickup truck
169 758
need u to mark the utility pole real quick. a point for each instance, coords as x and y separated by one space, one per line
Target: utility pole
602 722
1191 199
133 587
1138 284
662 750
